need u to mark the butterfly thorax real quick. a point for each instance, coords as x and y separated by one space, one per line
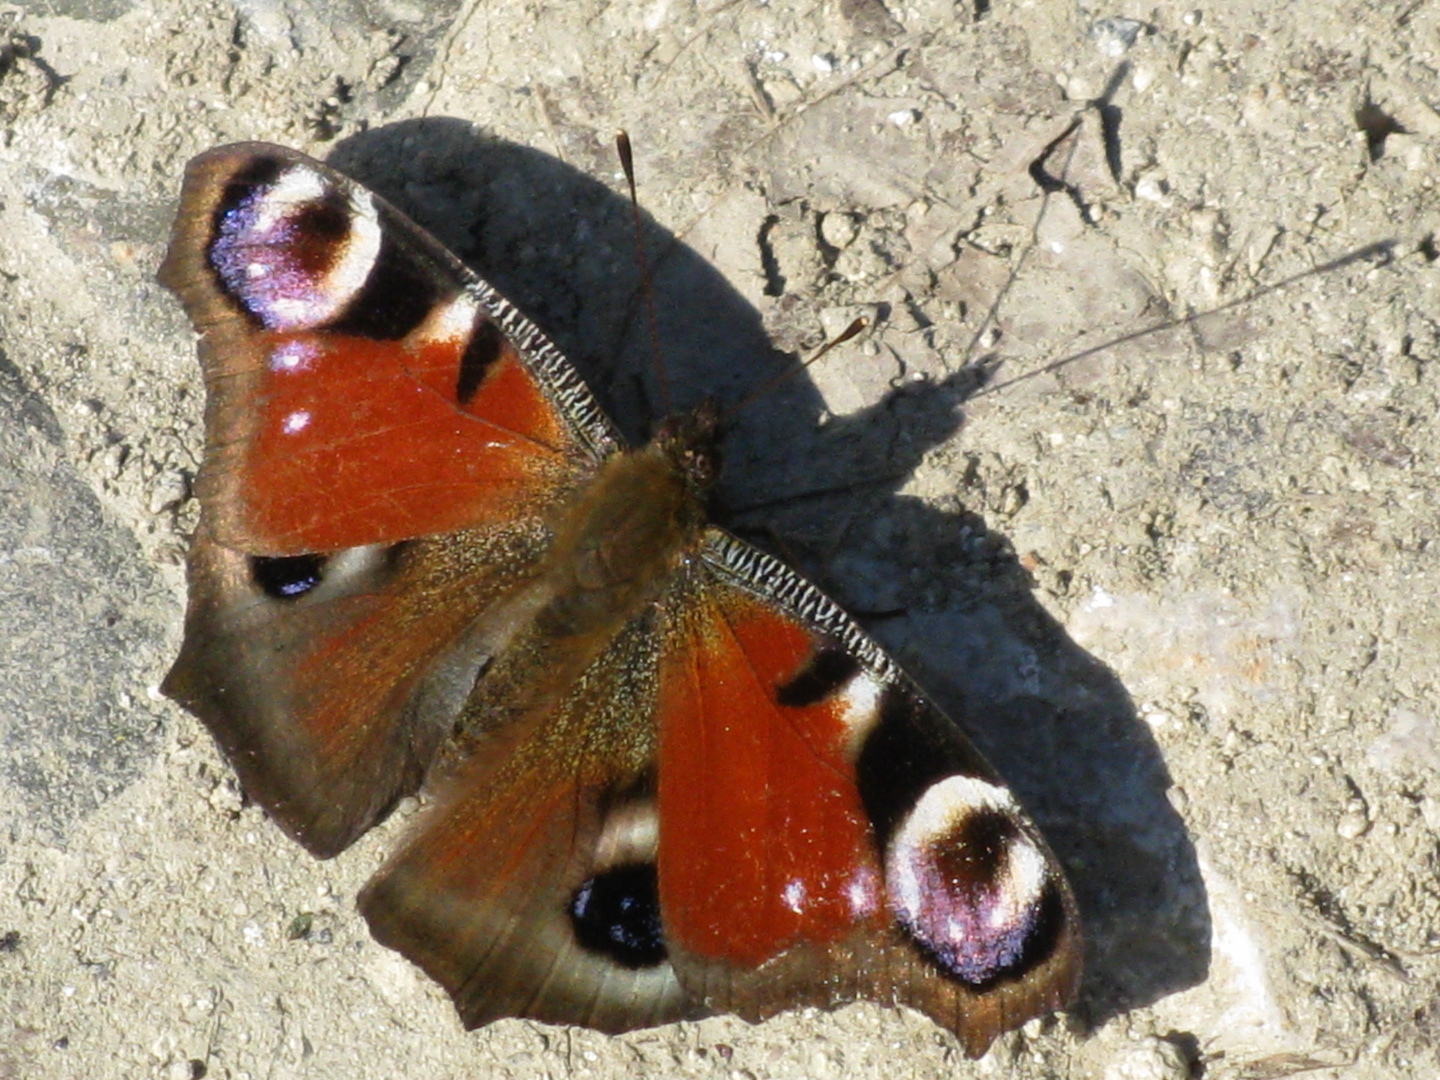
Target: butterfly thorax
631 528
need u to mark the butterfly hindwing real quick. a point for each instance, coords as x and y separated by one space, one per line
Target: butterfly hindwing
331 701
529 888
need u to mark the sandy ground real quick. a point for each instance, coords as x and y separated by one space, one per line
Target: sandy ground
1135 472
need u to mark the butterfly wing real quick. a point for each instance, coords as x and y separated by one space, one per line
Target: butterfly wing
528 889
826 834
362 385
384 437
739 805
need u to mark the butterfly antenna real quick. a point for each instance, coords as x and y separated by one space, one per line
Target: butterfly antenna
627 162
774 383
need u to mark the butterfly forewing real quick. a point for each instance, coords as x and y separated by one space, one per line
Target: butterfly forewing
362 385
826 834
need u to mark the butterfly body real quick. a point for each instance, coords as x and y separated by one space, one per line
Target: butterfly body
666 775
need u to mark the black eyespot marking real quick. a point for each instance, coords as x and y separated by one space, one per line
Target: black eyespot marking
289 576
399 293
911 748
617 914
486 345
897 764
259 175
827 671
273 252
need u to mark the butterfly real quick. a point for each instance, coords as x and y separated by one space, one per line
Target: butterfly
664 775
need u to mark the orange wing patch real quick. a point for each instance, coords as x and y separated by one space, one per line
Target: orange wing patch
363 441
764 842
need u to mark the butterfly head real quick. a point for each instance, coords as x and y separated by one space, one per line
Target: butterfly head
692 443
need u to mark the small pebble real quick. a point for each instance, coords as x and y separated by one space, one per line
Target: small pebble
1354 823
1430 811
168 490
838 230
1115 36
1151 188
1149 1058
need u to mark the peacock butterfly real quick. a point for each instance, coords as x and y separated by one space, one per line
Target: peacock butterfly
665 775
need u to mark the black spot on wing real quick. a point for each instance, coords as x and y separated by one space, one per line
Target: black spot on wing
616 913
484 348
287 577
825 673
984 837
404 286
912 747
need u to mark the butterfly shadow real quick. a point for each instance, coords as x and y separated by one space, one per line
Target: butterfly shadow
943 592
